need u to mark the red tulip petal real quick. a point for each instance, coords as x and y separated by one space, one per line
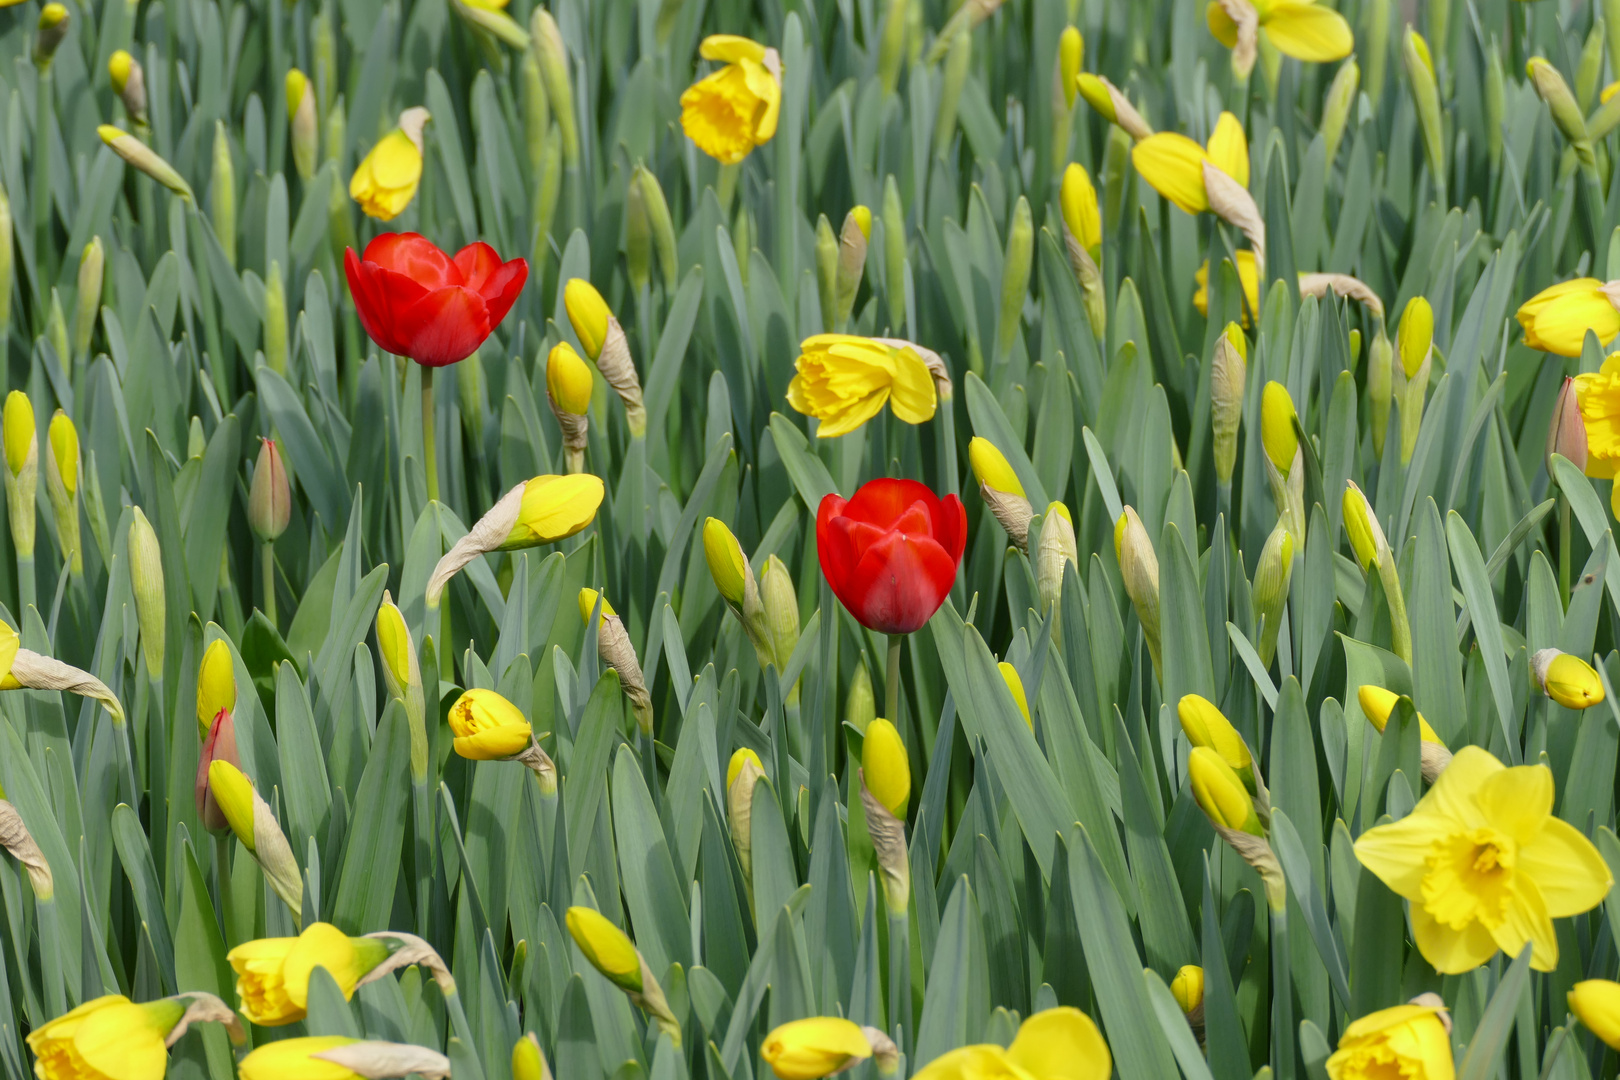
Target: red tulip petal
476 262
915 520
416 257
882 501
370 301
950 526
502 289
392 295
899 583
444 327
833 548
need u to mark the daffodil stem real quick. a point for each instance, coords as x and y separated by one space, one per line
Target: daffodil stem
422 801
222 876
726 185
25 584
900 977
50 959
430 452
129 765
891 682
267 556
44 111
1282 1006
1563 548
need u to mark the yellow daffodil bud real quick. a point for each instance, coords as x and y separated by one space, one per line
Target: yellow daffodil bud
304 123
1220 793
547 42
87 302
272 974
528 1063
991 468
1112 105
387 178
1188 988
233 791
727 565
1406 1041
588 313
606 947
1139 570
1058 549
1228 375
814 1048
487 727
860 708
129 83
222 193
1380 382
394 649
1361 525
1206 725
1566 112
1009 675
1597 1003
107 1038
1271 579
886 769
851 262
1415 337
62 484
826 259
637 235
270 496
56 330
742 774
660 225
151 604
338 1057
891 45
1071 50
1566 678
1277 426
554 508
844 380
1078 202
1016 264
1341 94
587 602
781 602
52 31
144 158
568 379
216 685
20 438
1377 704
959 57
1426 96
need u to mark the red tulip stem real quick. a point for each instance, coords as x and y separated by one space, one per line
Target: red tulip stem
430 453
891 684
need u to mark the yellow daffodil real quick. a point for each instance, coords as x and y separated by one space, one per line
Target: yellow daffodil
606 947
1597 1003
386 180
815 1047
487 727
272 974
1052 1044
1304 30
1206 725
735 109
528 1063
587 601
1188 988
1597 396
1220 792
338 1057
1080 213
885 767
1248 276
1174 164
844 380
108 1038
1486 865
1556 319
1015 684
1406 1041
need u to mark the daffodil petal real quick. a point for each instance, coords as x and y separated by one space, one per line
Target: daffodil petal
1396 852
1061 1044
1174 165
1448 951
1517 800
1229 149
1221 25
1307 31
1525 919
1566 867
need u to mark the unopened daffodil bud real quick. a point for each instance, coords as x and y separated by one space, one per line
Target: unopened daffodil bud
254 824
616 957
1277 426
742 774
852 242
1081 217
1015 685
487 727
51 32
1139 569
1220 793
546 41
62 485
1380 387
129 83
660 224
860 708
603 340
1071 51
886 767
733 577
1058 549
1377 704
1206 725
304 123
1566 679
614 649
1415 336
270 496
528 1063
1112 105
216 685
1228 375
222 193
1566 429
490 20
588 314
540 511
1361 525
1015 271
637 235
826 260
1425 89
1597 1003
821 1046
22 471
151 603
894 248
402 677
144 158
20 438
87 304
386 180
339 1057
885 776
273 974
1001 490
1566 111
1188 988
781 601
569 386
1341 94
1271 578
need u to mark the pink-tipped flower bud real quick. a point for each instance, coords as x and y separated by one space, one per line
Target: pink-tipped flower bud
220 745
1566 432
270 498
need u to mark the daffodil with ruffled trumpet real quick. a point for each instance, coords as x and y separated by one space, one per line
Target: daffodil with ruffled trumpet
1410 1041
272 974
1378 704
1214 177
539 511
386 179
731 111
620 962
1557 318
844 380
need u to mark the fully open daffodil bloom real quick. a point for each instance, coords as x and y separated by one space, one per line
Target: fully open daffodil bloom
844 380
1408 1041
487 727
1597 395
387 178
272 974
735 109
1054 1043
1248 275
1299 28
109 1038
1486 865
1557 318
1174 164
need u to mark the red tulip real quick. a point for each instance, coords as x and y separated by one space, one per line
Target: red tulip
891 553
219 746
416 301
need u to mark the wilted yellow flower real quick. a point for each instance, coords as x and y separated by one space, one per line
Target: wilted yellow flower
1220 792
1406 1041
1556 319
735 109
1055 1044
815 1047
1415 337
1188 987
606 947
387 178
885 767
588 313
568 379
1079 204
1174 164
1597 1003
487 727
1376 705
1009 675
1566 678
1277 426
272 974
1486 865
1304 30
843 381
1248 276
1206 725
108 1038
216 685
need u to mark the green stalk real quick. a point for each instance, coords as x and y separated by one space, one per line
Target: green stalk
25 583
891 682
1564 537
422 800
267 554
726 185
222 884
1282 1004
899 973
39 192
430 453
50 937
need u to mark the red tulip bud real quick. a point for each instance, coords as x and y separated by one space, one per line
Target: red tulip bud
219 746
1566 433
270 497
